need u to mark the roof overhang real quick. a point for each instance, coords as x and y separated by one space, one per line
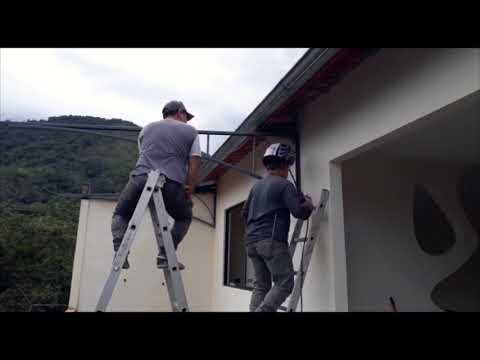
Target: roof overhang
315 73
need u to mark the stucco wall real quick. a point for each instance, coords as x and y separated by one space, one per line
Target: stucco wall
388 91
140 288
384 256
386 94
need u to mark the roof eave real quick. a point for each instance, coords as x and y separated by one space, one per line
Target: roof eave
306 66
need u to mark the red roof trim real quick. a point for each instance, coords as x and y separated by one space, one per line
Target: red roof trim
321 82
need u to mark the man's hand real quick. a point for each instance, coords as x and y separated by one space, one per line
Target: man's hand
308 202
193 172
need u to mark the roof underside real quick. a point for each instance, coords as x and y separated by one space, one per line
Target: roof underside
329 67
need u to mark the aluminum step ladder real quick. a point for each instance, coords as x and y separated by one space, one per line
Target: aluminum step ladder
152 198
308 246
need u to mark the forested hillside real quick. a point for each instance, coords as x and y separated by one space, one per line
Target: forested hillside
37 226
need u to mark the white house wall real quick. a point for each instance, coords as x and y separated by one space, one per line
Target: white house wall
386 92
384 257
140 288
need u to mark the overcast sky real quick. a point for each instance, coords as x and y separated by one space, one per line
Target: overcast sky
219 86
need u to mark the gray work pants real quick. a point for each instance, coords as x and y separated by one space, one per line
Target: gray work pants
177 204
271 261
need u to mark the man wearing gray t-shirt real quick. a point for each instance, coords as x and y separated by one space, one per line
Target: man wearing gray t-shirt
172 147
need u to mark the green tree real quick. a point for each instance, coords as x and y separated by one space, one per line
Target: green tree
38 228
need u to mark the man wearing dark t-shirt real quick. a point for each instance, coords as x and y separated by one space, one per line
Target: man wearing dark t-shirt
267 216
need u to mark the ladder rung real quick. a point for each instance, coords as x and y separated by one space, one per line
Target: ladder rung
309 242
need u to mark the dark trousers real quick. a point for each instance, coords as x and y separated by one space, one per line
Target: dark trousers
177 203
271 261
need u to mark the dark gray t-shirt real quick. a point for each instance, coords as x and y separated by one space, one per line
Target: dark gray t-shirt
272 196
167 145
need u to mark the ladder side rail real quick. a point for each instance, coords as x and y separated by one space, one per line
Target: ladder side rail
158 236
127 241
314 232
293 240
173 270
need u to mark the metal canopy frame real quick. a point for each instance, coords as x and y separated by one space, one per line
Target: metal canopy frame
94 130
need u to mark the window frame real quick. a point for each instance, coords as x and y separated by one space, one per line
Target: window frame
226 255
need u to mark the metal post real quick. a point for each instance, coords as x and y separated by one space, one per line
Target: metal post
229 166
298 168
253 153
208 144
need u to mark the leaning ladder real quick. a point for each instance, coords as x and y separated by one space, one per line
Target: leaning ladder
309 243
152 198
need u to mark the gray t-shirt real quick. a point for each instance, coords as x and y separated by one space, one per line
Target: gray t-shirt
271 197
167 145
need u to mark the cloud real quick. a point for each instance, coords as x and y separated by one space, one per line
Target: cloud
220 86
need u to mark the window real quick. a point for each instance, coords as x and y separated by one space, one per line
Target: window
238 271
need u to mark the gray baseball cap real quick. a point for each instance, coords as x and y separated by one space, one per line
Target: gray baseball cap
174 106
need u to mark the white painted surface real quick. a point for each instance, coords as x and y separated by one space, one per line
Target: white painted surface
383 256
386 93
139 288
78 261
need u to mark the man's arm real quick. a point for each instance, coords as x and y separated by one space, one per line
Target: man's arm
246 206
193 166
299 205
193 172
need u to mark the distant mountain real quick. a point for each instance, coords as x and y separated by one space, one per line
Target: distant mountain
38 228
87 120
